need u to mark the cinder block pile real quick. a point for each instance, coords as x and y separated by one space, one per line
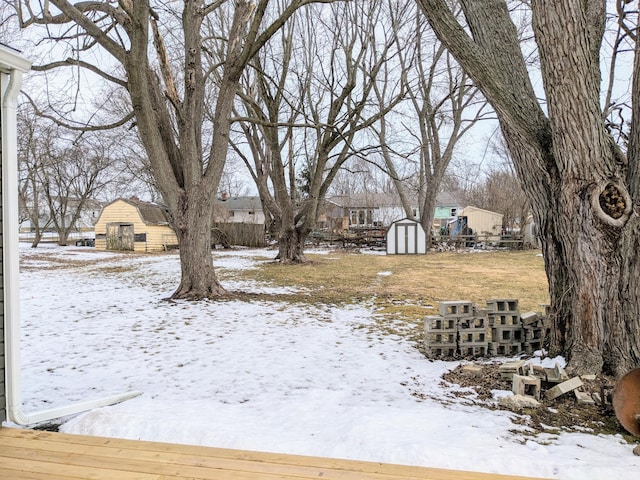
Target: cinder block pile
463 330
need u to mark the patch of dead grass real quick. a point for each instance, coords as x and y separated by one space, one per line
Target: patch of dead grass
414 285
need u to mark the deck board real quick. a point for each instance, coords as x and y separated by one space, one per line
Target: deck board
29 454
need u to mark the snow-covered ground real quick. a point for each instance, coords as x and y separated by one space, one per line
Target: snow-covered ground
261 375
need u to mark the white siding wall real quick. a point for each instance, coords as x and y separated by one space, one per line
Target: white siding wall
406 237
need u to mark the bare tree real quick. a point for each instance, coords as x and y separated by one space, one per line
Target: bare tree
584 190
419 138
60 174
35 147
157 52
72 177
307 117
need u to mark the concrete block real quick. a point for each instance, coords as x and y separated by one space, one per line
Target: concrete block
457 308
437 323
441 351
473 336
473 323
504 319
556 374
507 370
503 305
440 337
584 397
473 369
564 387
588 378
538 371
473 350
507 334
526 385
529 318
532 334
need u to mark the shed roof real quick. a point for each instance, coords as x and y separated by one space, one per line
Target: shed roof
240 203
469 209
150 213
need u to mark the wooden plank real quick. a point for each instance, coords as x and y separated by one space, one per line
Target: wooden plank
63 470
163 460
22 475
190 466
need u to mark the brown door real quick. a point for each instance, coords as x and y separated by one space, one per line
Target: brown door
120 236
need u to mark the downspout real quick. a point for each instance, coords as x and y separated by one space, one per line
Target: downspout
12 271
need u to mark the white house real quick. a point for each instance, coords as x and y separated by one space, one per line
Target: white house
238 210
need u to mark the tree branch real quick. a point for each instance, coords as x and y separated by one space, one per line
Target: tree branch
72 62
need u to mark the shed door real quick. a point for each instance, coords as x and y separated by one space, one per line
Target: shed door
406 238
119 236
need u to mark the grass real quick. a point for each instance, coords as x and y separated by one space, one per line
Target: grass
406 288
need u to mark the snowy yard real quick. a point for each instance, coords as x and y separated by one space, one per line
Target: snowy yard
262 375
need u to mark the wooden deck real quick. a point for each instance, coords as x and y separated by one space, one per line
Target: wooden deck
39 455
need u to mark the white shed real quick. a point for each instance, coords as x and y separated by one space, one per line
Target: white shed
406 237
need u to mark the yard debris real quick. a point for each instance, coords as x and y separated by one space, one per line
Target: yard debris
564 411
517 401
526 385
584 397
564 387
509 369
556 374
472 369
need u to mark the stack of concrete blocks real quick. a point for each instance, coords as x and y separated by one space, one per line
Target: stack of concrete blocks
459 330
473 334
463 330
534 331
507 335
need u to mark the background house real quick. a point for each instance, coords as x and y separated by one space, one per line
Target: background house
239 221
238 210
380 210
134 225
365 210
447 208
83 227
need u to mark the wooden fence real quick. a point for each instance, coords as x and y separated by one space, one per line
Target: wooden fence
244 234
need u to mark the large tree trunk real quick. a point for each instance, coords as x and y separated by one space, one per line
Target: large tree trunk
291 246
193 227
426 216
595 324
581 187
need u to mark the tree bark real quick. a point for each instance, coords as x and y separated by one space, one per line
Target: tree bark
579 183
193 228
